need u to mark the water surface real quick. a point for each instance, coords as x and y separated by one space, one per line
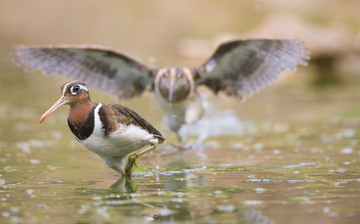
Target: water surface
289 155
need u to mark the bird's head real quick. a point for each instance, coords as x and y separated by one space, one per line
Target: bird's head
174 84
72 93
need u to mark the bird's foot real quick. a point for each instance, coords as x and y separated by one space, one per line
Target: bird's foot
132 163
137 167
131 159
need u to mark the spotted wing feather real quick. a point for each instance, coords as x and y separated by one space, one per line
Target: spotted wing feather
101 68
242 68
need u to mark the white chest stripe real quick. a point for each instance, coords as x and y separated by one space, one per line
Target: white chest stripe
97 121
121 142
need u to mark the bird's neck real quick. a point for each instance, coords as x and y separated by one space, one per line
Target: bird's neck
80 111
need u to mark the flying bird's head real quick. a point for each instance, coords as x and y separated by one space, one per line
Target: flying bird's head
174 84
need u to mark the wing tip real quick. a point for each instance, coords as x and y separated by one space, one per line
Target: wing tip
160 138
19 57
286 54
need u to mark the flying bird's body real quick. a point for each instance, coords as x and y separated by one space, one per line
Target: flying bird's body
187 112
238 68
185 105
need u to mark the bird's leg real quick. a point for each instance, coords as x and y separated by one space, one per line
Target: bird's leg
117 163
132 158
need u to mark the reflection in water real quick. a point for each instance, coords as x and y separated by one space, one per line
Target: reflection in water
126 185
182 195
178 181
256 216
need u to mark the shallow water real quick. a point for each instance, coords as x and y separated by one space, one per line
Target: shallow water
289 155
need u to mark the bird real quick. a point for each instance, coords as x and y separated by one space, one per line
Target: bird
116 133
238 68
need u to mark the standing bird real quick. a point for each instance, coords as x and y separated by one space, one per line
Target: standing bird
238 68
114 132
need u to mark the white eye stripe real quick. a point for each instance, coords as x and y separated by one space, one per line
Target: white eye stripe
81 87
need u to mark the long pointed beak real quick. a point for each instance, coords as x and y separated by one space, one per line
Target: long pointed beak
63 100
171 89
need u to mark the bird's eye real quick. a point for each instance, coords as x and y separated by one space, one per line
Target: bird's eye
75 89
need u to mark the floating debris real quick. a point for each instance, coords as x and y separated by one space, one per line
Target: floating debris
348 133
226 208
340 171
298 165
259 180
295 181
259 190
327 139
14 209
258 147
6 214
34 161
29 191
347 151
252 202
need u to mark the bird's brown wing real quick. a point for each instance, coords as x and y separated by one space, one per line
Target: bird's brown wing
101 68
124 115
241 68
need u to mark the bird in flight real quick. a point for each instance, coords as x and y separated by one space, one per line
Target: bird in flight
237 68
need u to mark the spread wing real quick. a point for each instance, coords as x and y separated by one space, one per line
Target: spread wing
101 68
242 68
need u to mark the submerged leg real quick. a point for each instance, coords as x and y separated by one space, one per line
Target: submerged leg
132 157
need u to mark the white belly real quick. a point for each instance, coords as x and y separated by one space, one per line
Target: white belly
123 141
